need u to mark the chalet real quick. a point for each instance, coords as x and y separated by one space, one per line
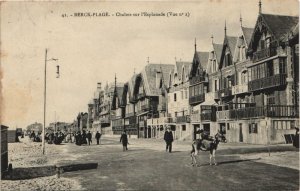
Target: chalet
178 100
150 98
118 119
268 110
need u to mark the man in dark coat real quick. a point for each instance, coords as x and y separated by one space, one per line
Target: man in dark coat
98 136
124 140
168 137
89 137
83 139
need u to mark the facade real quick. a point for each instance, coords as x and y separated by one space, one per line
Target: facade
246 87
178 100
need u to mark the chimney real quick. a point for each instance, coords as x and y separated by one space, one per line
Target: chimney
99 86
158 78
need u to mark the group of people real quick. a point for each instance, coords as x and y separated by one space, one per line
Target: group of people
54 138
34 137
86 138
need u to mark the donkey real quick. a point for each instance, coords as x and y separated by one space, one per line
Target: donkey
210 145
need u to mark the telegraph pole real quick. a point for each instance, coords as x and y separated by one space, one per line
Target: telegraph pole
45 93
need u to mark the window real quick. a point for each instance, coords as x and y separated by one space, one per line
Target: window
216 85
271 99
183 128
175 97
252 128
282 65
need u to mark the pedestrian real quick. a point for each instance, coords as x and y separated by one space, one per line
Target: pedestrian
168 137
83 139
78 139
89 137
98 136
124 140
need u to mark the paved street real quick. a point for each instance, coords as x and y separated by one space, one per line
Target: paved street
146 166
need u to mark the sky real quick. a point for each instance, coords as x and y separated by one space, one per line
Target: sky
93 49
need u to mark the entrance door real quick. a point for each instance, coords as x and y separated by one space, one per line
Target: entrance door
206 128
241 133
196 127
149 132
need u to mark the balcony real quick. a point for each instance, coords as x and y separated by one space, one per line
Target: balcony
287 111
265 53
129 114
197 99
268 82
198 79
225 92
104 120
239 89
223 115
208 116
282 111
183 119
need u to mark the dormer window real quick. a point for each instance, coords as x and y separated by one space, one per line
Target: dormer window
227 60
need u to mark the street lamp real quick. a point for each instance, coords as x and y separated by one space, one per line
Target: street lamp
45 90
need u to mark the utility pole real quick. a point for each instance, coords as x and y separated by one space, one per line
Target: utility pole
45 93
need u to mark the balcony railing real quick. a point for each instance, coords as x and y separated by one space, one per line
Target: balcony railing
209 116
239 89
263 111
225 92
198 79
268 82
197 99
223 115
183 119
265 53
104 120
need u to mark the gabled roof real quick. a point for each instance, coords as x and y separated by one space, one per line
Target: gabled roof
280 24
131 84
231 40
247 33
203 59
218 51
149 77
179 68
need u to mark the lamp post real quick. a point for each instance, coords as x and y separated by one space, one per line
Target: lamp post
45 91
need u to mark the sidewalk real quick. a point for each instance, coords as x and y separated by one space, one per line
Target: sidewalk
223 148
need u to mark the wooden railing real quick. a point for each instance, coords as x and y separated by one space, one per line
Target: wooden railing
197 79
268 82
289 111
183 119
210 116
225 92
197 99
238 89
104 120
265 53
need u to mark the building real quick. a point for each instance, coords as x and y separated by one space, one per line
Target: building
149 97
178 100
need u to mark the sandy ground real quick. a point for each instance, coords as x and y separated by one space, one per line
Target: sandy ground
19 157
287 159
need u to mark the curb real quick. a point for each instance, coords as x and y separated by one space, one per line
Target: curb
43 171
